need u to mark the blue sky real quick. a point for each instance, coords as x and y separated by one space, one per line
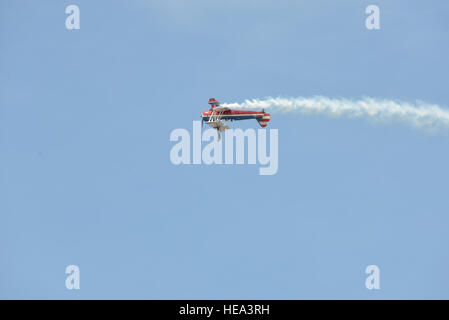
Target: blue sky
86 179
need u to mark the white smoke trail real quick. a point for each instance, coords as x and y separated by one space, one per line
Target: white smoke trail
420 114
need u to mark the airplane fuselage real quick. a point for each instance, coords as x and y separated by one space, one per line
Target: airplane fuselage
234 115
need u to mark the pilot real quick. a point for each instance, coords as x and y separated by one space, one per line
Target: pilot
213 103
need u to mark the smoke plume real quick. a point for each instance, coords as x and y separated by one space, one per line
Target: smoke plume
419 114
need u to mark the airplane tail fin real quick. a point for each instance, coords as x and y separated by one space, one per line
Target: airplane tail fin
264 120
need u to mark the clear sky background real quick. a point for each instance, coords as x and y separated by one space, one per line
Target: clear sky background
86 179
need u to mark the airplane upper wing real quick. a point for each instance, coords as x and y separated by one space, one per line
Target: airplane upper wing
221 109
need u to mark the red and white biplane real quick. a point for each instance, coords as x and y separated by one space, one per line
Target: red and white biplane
217 116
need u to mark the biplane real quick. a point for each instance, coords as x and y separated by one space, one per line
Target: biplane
216 117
